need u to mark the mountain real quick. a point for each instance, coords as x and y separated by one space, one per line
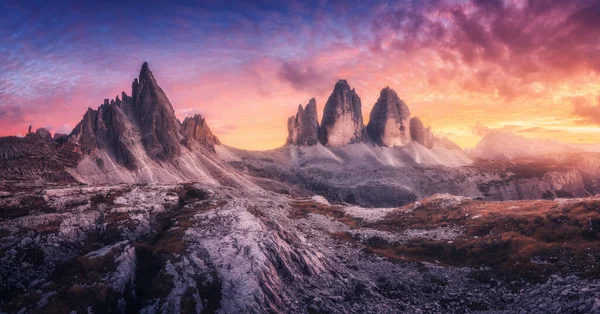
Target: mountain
137 212
196 132
501 145
130 139
303 128
389 122
342 121
420 134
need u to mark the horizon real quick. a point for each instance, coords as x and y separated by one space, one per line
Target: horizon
463 67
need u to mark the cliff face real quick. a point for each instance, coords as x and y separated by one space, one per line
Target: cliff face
420 134
195 131
389 120
133 128
342 121
155 117
303 128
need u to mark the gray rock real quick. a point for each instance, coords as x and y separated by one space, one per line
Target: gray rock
303 128
155 117
342 121
420 134
43 133
389 120
143 122
195 130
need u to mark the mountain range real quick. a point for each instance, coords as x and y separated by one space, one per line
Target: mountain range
136 211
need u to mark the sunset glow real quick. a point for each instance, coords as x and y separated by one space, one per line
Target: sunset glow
463 67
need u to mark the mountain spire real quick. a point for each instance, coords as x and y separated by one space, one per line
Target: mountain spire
342 121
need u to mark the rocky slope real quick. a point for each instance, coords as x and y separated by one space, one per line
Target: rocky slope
198 248
37 158
303 128
389 122
342 121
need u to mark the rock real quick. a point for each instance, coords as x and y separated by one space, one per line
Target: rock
313 308
389 120
342 121
420 134
111 129
43 133
58 136
595 305
303 128
5 194
196 131
155 117
131 129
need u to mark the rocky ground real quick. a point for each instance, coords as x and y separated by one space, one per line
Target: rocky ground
195 247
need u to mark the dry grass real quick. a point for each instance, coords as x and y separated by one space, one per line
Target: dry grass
301 209
517 239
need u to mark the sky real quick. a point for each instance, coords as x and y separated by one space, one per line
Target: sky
465 67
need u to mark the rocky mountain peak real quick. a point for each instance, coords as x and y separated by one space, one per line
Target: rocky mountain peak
389 122
420 134
130 127
155 116
195 130
342 121
303 128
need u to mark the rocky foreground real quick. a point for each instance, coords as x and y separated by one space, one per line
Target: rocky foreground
207 248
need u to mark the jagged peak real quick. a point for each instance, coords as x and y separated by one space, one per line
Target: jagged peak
342 84
196 130
145 73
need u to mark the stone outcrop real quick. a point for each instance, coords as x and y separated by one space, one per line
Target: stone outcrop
58 136
143 124
43 133
195 130
389 120
420 134
303 128
110 128
155 116
342 121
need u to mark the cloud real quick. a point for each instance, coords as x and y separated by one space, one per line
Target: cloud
480 130
521 41
539 130
302 76
586 112
11 113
